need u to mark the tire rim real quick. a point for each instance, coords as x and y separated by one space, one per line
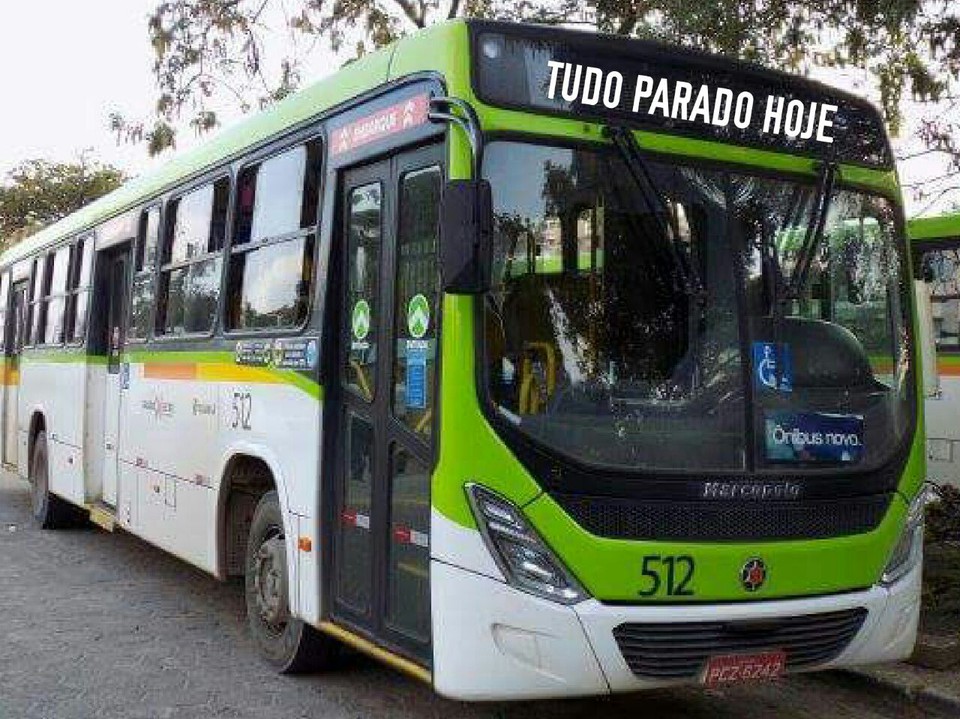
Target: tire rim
38 486
270 581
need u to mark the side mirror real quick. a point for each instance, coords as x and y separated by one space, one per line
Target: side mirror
466 237
926 340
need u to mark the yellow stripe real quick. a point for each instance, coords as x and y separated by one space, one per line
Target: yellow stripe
237 373
377 652
210 372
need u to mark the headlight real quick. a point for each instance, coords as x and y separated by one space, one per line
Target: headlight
910 547
525 560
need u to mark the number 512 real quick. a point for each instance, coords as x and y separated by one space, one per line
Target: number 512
671 574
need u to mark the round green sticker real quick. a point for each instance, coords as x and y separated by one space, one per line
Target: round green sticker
418 316
360 322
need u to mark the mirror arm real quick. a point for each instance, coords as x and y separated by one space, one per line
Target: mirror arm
460 113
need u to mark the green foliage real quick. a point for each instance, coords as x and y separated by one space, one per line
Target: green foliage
943 516
210 51
37 192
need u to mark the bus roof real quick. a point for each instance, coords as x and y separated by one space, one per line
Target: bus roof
934 228
442 48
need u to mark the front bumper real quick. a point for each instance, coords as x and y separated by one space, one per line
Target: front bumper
492 641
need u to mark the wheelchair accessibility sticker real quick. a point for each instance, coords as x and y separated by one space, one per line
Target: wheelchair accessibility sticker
772 366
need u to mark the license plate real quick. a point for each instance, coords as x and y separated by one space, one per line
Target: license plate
732 668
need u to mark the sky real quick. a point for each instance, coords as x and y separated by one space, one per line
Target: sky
65 65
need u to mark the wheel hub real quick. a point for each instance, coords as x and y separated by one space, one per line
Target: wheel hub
270 582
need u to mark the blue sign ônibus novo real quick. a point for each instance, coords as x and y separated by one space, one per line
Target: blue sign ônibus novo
813 437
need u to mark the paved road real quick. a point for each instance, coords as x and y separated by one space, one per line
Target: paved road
101 625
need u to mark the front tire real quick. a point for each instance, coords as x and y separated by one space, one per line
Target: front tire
288 644
50 511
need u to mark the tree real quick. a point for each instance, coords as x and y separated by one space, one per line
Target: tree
208 51
38 192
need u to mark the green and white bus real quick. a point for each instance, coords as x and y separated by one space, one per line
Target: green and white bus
533 362
936 254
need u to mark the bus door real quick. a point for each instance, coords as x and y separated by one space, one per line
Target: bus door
116 264
383 405
16 326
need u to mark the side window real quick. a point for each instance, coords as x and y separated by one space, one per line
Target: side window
141 304
191 257
4 300
942 268
364 230
271 260
55 297
38 285
81 261
415 310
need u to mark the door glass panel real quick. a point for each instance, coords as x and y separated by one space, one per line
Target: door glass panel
408 602
415 327
354 578
364 228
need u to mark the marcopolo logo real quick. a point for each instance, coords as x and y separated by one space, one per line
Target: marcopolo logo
754 491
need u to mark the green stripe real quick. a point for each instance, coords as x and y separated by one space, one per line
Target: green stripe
70 356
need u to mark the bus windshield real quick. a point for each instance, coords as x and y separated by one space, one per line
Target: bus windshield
599 346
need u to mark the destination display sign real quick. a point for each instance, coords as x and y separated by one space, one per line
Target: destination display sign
656 87
399 117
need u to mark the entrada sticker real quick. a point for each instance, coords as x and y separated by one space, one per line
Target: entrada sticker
360 320
772 366
418 316
678 100
813 437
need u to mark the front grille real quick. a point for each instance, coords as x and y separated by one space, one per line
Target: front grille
725 521
680 651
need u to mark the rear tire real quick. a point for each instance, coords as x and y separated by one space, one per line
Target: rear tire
50 511
288 644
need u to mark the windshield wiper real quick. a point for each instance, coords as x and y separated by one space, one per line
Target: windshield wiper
814 233
626 144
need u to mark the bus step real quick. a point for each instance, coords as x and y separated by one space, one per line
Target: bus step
102 516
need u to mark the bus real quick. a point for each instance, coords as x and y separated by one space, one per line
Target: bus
533 362
935 243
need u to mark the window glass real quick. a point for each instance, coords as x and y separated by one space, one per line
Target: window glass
278 196
191 293
415 313
38 266
354 545
363 263
408 600
149 237
270 285
79 329
41 275
4 299
81 254
52 314
941 268
191 225
53 331
86 261
61 262
141 306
